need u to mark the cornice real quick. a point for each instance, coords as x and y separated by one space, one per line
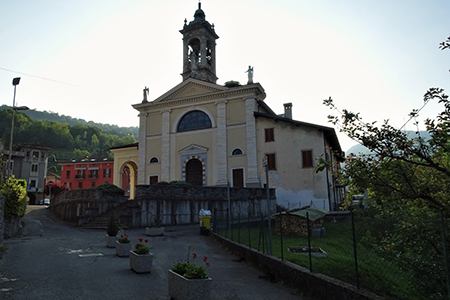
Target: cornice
254 90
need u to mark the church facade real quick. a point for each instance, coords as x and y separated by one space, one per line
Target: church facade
208 134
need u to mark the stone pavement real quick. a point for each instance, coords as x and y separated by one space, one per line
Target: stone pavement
54 260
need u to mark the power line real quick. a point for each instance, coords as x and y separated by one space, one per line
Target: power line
43 78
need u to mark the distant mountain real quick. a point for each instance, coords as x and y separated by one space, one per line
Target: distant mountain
55 117
358 148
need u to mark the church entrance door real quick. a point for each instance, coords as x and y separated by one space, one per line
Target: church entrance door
194 172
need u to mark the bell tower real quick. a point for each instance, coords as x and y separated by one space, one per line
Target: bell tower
199 48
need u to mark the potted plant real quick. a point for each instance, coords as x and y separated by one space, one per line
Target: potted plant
140 257
111 233
187 281
154 228
123 246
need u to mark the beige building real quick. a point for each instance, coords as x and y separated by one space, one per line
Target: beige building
213 135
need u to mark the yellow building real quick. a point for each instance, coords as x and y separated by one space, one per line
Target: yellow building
213 135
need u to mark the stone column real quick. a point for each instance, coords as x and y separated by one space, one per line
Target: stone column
142 157
165 151
222 155
252 157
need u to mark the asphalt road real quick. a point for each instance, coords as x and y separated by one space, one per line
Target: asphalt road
54 260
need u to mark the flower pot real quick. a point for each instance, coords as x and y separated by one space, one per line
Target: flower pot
141 263
154 231
123 249
111 241
181 288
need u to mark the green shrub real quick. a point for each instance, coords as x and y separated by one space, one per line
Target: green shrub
14 192
180 183
109 188
113 228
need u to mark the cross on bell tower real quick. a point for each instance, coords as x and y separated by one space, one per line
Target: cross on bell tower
199 48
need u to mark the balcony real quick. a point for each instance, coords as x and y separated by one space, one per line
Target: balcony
93 176
80 176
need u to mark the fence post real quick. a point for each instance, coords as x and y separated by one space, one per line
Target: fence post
354 248
309 241
228 222
239 227
281 236
248 227
444 245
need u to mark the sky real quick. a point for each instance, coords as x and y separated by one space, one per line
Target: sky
92 59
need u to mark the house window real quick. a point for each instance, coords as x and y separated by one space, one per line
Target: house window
194 120
154 179
307 159
93 174
80 185
93 183
268 132
80 174
271 165
68 174
154 160
106 173
36 154
237 151
32 183
34 167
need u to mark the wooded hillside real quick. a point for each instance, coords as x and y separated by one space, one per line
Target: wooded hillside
68 137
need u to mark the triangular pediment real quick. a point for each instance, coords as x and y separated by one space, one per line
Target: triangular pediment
189 89
193 149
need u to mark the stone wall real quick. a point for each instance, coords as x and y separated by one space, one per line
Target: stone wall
175 205
2 224
82 206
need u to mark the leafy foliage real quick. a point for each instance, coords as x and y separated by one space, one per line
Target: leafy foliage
88 139
408 181
124 239
113 228
56 188
141 248
189 269
109 188
14 192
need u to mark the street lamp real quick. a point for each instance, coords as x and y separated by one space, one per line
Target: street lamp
15 82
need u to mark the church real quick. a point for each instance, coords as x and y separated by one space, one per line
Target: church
210 134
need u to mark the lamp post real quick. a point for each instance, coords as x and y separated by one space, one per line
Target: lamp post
15 82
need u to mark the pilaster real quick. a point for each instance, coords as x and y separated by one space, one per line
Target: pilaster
222 155
142 158
165 151
252 157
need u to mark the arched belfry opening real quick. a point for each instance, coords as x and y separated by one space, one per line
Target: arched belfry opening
199 48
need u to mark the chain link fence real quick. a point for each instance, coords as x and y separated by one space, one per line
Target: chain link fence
395 257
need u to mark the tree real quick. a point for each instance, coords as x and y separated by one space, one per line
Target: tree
55 189
408 181
14 192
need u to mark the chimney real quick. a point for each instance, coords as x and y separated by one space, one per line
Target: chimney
288 110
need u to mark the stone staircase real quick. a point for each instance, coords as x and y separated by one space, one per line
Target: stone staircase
101 222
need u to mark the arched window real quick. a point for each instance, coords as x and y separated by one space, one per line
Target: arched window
194 120
154 160
237 151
